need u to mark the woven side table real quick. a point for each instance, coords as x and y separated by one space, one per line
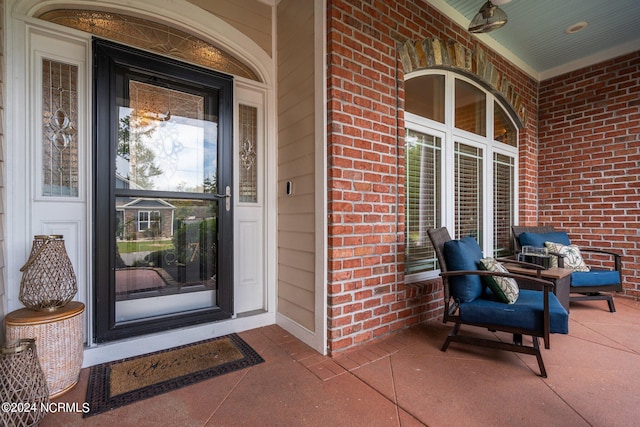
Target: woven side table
59 341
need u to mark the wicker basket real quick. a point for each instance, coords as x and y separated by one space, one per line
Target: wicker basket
59 336
22 384
48 281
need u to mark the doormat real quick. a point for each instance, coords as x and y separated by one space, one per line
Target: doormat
125 381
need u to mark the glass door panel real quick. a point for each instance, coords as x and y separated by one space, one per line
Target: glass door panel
166 256
164 142
166 248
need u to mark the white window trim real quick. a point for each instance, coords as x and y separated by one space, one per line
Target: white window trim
148 221
450 135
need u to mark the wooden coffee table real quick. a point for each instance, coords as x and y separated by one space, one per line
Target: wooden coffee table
561 278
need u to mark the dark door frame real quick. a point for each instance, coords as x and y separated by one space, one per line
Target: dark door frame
112 62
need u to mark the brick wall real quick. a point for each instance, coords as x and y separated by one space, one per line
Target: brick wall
589 128
367 296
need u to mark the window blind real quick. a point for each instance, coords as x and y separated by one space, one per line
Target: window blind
468 191
503 203
422 201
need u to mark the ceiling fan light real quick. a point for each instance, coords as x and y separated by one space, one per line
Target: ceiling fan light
489 18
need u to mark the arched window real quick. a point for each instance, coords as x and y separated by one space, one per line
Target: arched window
460 164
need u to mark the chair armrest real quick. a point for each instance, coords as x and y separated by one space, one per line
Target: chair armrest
540 283
617 258
522 264
560 258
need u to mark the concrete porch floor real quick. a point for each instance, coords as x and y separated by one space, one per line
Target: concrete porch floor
405 380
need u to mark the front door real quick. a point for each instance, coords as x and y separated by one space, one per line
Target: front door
163 209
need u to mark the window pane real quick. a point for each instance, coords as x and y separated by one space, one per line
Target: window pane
59 129
165 143
422 210
503 128
474 212
424 96
143 220
470 108
503 203
468 191
167 262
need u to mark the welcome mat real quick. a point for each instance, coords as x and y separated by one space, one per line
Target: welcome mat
125 381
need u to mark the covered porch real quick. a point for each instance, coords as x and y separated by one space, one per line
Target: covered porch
405 380
328 264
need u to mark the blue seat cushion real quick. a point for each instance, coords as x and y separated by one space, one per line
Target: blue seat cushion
595 278
537 239
527 312
459 255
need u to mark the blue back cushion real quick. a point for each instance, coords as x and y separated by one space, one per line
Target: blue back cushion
463 254
537 239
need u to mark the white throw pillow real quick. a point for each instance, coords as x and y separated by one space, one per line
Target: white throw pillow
572 256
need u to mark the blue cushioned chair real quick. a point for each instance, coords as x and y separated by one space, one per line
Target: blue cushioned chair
536 313
585 285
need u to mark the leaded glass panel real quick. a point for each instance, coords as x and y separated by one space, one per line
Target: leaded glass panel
59 129
248 154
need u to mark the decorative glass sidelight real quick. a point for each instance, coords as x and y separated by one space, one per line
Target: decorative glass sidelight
248 154
59 132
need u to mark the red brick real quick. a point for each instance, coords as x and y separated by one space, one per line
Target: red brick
581 137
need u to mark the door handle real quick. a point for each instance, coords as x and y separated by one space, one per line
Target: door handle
226 196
